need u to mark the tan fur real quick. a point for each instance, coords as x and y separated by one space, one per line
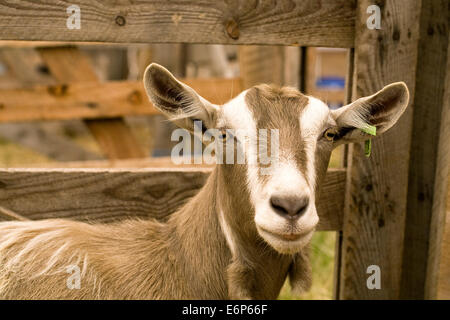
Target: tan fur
185 258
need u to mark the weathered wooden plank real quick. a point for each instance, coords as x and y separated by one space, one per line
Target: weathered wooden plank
18 44
430 147
309 23
90 100
444 267
115 139
330 204
104 195
437 283
373 228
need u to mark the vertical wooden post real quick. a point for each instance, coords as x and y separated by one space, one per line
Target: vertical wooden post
376 194
443 291
428 166
441 257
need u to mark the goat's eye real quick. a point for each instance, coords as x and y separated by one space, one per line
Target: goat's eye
329 134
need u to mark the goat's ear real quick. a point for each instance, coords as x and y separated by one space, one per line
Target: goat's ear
381 110
179 102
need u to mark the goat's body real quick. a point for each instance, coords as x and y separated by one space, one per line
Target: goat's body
239 237
185 258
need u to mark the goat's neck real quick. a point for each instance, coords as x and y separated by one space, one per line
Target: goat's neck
199 245
197 222
217 235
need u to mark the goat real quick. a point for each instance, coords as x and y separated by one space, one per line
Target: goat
240 237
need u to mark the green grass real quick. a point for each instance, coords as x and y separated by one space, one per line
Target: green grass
322 263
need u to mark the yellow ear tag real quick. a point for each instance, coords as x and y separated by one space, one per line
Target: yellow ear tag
372 130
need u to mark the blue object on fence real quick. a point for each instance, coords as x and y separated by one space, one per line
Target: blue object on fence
330 83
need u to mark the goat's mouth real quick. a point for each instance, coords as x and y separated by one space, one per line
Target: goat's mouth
284 235
286 243
291 236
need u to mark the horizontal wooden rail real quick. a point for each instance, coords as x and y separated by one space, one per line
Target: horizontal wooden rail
328 23
106 195
89 100
17 44
136 163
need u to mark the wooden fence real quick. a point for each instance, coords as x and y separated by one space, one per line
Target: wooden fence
389 209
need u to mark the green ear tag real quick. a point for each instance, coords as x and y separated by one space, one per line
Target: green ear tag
372 130
367 147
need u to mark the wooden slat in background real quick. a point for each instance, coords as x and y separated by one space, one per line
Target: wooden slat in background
22 66
298 22
90 100
153 163
68 65
262 64
105 195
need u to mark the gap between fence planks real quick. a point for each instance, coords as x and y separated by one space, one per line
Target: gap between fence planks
106 195
299 22
67 65
91 100
344 164
21 65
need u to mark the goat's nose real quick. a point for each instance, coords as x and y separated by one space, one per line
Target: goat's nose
291 207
